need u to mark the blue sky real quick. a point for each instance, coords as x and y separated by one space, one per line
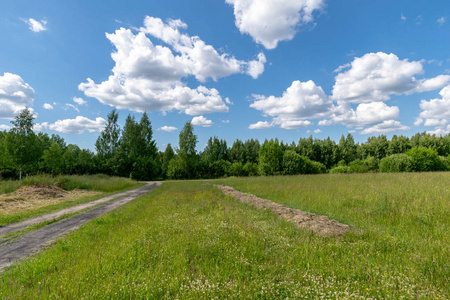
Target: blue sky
238 69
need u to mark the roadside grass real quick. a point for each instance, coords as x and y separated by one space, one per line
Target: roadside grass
188 241
100 183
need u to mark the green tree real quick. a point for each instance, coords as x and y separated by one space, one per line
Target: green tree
138 150
52 159
22 142
5 158
108 143
270 158
167 157
185 164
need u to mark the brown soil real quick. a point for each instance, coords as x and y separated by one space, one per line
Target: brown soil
321 225
32 197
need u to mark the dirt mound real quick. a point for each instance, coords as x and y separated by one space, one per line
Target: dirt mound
30 197
321 225
40 191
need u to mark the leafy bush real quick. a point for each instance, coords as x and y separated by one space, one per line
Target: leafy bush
251 169
294 163
236 169
426 159
340 169
397 163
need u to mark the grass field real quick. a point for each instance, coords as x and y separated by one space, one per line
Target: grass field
185 240
98 183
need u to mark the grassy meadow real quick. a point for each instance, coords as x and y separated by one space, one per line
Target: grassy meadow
99 183
186 240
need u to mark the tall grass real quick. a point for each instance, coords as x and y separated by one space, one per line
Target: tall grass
188 241
100 182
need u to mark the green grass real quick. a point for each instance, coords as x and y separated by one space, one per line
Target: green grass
188 241
100 183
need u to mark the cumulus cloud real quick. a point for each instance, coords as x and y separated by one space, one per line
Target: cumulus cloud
15 95
260 125
376 76
36 26
4 127
78 125
301 101
168 128
358 97
79 101
317 131
47 106
150 77
366 114
385 127
269 22
201 121
436 112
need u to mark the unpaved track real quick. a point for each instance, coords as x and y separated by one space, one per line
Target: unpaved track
24 246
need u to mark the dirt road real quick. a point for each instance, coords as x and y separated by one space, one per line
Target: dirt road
27 244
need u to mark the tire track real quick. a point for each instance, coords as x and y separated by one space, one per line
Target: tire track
33 241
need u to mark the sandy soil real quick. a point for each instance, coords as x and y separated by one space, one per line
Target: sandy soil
32 197
320 225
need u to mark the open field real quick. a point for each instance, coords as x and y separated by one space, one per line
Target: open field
42 194
186 240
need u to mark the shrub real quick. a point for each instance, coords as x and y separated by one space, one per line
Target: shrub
236 169
251 169
426 159
340 169
397 163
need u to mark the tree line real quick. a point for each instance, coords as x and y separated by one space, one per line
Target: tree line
131 152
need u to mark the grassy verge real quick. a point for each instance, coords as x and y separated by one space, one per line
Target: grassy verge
188 241
101 183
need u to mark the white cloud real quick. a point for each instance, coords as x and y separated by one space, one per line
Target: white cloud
69 106
78 125
36 26
47 106
325 122
402 17
4 127
376 76
149 77
419 19
260 125
200 59
436 112
441 20
225 121
201 121
437 108
15 95
301 101
418 122
366 114
317 131
168 128
385 127
269 22
440 131
79 101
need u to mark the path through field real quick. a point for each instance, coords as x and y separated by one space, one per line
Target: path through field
25 245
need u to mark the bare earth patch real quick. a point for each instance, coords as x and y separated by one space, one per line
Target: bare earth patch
33 197
321 225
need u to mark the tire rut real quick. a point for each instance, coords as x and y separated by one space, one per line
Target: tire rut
33 241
